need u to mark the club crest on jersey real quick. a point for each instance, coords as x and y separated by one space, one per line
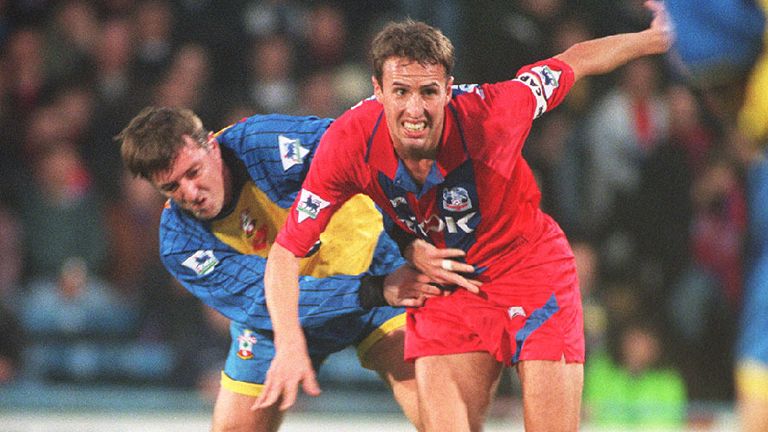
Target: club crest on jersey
245 343
247 223
550 79
309 205
398 201
456 199
201 262
291 151
258 236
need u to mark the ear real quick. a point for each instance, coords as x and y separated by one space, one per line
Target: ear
448 89
377 90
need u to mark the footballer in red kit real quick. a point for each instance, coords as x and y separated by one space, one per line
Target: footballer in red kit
480 196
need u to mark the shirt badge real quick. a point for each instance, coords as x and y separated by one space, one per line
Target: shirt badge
245 343
201 262
516 311
291 151
456 199
309 205
550 79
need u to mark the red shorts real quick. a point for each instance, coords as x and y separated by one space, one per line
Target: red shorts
533 312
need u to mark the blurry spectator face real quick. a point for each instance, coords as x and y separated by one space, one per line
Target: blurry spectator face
327 32
196 179
154 21
191 66
640 350
76 106
272 59
414 98
641 78
114 49
78 23
73 278
586 266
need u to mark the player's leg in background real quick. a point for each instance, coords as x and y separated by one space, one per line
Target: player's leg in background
386 357
232 413
547 384
456 390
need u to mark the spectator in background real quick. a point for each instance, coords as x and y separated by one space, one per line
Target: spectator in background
11 264
153 43
624 128
270 81
632 388
69 319
11 345
71 39
722 50
61 214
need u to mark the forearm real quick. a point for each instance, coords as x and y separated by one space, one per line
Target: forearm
603 55
281 286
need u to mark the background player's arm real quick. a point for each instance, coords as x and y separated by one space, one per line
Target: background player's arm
599 56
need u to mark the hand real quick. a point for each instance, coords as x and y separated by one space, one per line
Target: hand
438 265
660 25
408 287
289 368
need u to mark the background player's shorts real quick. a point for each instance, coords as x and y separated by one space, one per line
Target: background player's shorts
532 313
252 351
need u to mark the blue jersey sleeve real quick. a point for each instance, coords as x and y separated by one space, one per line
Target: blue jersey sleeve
233 283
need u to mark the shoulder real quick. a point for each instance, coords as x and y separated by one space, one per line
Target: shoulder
356 125
265 127
178 230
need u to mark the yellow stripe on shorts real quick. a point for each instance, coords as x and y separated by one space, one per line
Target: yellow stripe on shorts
241 387
386 328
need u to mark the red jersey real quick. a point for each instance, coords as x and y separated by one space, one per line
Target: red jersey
480 195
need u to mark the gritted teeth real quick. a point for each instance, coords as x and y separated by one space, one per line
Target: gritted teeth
415 126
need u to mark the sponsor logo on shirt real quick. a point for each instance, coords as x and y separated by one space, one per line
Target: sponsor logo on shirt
245 343
309 205
291 151
456 199
201 262
435 224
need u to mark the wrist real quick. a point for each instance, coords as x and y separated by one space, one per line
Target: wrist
371 292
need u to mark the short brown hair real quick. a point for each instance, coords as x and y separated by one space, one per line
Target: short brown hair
152 139
414 40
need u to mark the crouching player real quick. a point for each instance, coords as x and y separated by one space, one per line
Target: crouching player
229 194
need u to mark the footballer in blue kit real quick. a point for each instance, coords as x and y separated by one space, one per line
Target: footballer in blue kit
229 193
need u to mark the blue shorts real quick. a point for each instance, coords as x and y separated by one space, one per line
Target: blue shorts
252 351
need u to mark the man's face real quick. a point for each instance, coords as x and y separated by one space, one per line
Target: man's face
195 180
414 98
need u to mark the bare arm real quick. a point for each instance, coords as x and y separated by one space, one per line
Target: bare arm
603 55
291 365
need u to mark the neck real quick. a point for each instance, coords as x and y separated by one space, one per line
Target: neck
418 169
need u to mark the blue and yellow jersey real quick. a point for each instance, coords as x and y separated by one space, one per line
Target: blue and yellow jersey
222 261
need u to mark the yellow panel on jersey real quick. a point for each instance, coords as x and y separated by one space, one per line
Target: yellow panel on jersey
753 118
348 242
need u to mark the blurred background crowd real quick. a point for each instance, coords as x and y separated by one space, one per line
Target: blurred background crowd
645 181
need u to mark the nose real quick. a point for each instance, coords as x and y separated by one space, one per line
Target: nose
414 106
187 191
